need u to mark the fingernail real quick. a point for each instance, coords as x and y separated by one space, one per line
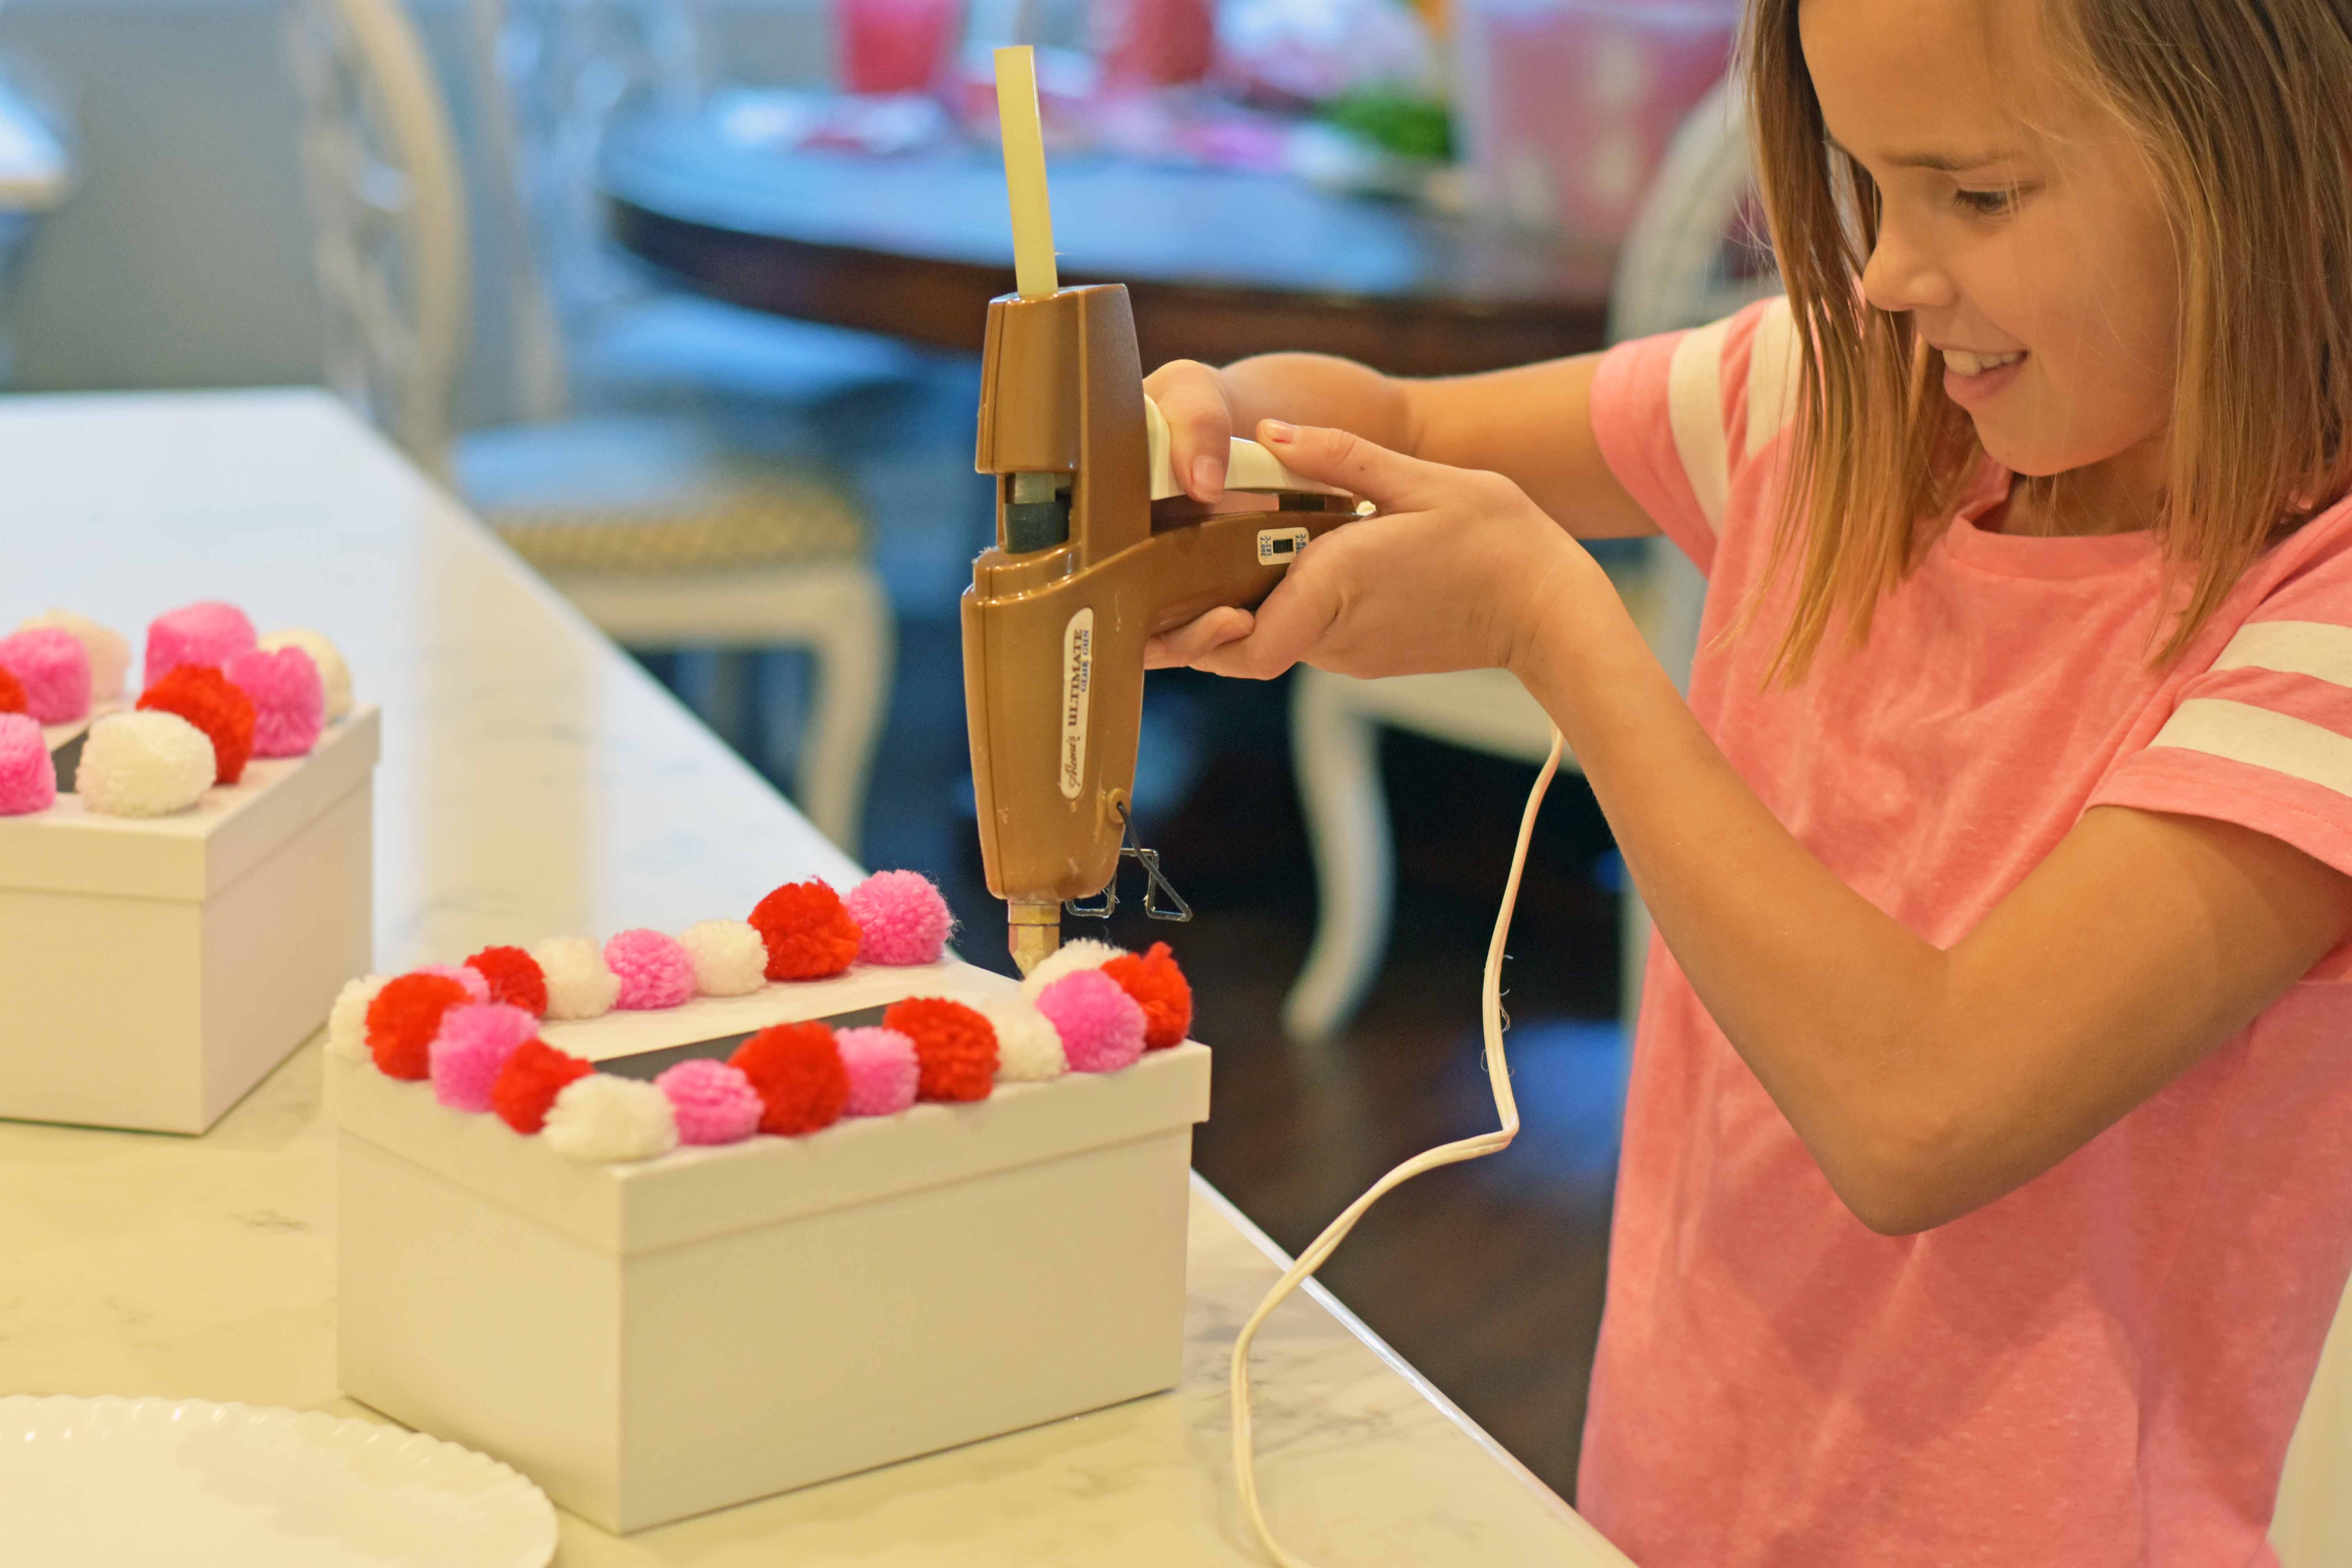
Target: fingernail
1277 430
1206 480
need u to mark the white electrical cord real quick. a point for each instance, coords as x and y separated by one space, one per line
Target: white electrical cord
1505 1108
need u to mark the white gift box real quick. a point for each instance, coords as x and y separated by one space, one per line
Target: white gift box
656 1340
153 969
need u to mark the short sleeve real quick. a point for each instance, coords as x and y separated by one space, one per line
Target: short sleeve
1681 417
2262 737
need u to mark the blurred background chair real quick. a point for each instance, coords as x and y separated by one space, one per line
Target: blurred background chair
687 504
1693 256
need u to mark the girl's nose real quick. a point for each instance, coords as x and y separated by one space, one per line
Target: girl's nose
1900 275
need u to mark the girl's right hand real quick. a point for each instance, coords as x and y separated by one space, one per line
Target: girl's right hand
1191 398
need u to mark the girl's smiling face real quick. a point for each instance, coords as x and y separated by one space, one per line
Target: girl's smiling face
2021 226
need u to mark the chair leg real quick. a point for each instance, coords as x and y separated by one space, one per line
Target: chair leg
855 651
1336 752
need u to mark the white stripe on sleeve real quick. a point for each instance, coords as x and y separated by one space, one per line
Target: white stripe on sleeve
2260 738
2294 648
1695 410
1772 372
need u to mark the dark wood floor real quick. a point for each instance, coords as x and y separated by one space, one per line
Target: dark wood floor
1488 1277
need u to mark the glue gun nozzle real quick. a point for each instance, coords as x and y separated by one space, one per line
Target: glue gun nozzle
1033 931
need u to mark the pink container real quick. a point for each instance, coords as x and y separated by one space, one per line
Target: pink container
894 46
1565 107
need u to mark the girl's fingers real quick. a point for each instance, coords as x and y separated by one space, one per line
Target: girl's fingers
1193 400
1195 639
1393 480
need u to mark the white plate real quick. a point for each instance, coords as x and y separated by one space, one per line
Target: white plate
98 1483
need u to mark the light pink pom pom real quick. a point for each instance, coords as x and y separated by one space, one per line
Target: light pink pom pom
472 979
207 633
28 780
1100 1025
714 1103
473 1045
655 971
901 918
54 668
882 1070
289 702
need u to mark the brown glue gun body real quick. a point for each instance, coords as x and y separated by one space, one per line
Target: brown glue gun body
1086 568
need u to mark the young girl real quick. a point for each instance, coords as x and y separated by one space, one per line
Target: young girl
1987 1186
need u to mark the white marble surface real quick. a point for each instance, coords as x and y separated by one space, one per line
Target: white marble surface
533 782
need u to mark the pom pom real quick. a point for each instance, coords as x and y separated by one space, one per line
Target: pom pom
335 675
477 990
729 957
530 1082
797 1070
1101 1026
289 706
654 969
203 697
809 933
145 765
901 918
712 1102
108 655
1159 988
404 1018
12 693
1028 1047
54 669
1068 959
578 983
473 1046
954 1047
513 978
28 780
882 1070
601 1117
347 1021
207 633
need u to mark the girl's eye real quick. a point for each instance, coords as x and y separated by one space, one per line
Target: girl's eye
1987 204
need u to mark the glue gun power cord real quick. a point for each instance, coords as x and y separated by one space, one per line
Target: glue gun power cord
1507 1110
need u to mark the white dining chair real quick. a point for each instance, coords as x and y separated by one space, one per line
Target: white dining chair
659 532
1689 259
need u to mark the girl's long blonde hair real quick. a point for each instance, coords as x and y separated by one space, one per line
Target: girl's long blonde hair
2244 110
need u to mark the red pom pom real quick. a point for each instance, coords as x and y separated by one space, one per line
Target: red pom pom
12 693
404 1018
808 930
955 1048
534 1075
1161 989
514 976
203 697
798 1072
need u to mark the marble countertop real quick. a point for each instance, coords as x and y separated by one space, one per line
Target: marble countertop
535 782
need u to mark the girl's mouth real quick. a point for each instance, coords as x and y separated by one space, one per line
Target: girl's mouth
1970 379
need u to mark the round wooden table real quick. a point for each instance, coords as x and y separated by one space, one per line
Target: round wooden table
1218 264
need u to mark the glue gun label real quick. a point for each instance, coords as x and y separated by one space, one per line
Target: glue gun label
1077 682
1279 546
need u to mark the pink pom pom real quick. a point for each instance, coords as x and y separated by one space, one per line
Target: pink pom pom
208 633
901 918
655 971
478 988
472 1044
882 1070
28 780
289 700
53 666
715 1103
1101 1026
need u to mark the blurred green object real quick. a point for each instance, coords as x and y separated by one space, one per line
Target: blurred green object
1406 123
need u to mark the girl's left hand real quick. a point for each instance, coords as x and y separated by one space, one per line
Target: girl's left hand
1452 573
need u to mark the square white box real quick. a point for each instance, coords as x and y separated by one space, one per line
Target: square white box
651 1341
153 969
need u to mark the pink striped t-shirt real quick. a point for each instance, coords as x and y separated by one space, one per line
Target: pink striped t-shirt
2104 1366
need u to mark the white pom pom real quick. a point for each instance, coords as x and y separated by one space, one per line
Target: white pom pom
347 1024
1068 959
578 985
1028 1048
145 765
110 655
601 1117
729 957
335 675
